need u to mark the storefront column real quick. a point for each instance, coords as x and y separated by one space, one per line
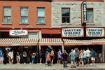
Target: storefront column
103 53
62 48
40 53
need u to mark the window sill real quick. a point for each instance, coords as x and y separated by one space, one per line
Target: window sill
41 24
24 23
6 23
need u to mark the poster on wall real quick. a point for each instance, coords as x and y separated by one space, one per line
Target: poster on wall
72 32
95 32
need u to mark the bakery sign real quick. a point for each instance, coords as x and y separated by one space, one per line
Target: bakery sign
18 32
72 32
95 32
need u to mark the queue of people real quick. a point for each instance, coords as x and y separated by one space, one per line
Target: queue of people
75 56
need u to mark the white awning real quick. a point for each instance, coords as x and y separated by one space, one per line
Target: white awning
84 42
18 42
50 41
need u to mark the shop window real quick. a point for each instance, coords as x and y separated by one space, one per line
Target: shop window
40 15
90 15
24 15
7 15
65 15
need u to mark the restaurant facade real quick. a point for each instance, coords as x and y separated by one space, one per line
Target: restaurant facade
58 24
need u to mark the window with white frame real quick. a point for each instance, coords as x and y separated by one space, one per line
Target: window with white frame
24 15
90 15
40 15
65 15
7 15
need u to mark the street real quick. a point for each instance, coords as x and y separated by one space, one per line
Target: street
53 67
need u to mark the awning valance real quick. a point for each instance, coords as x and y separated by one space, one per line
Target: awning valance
50 41
18 42
84 42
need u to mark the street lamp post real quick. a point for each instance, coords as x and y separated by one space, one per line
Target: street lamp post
84 16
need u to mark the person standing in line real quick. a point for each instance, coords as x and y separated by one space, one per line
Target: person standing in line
10 55
33 57
88 55
18 57
59 56
24 57
72 56
1 56
46 53
52 56
93 56
65 57
48 58
84 56
77 56
81 57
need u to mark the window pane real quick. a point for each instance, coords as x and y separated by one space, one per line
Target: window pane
7 20
24 11
41 20
65 15
65 19
89 15
65 12
41 12
24 20
7 11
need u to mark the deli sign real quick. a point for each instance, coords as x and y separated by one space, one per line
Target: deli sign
72 32
95 32
18 32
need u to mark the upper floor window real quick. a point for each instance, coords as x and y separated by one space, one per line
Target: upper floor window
90 15
41 15
7 15
24 15
65 15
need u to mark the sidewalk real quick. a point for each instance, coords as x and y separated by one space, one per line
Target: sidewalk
53 67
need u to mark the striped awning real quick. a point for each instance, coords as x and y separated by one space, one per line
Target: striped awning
18 42
84 42
50 41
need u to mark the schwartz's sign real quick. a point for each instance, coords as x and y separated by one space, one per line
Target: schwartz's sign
18 32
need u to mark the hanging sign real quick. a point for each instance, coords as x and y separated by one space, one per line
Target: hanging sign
18 32
72 32
95 32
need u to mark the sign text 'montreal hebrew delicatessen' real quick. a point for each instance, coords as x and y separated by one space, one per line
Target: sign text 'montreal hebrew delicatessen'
72 32
95 32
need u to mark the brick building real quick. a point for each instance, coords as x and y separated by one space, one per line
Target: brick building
52 23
